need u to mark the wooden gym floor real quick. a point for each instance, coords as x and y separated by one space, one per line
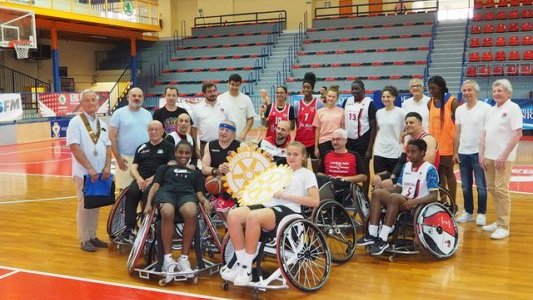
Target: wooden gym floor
40 255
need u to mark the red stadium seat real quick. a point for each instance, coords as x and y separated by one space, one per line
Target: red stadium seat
513 14
527 2
527 40
514 55
479 4
500 56
473 57
525 69
477 17
526 26
488 16
483 71
487 56
528 55
497 70
500 41
489 4
501 15
503 3
515 2
487 42
471 71
514 41
527 13
513 27
511 70
474 43
501 28
475 29
489 28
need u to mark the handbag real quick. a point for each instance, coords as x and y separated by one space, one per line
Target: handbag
98 193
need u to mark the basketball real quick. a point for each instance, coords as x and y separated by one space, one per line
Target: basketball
213 185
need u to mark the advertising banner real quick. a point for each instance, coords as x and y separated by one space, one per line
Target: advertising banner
10 107
65 104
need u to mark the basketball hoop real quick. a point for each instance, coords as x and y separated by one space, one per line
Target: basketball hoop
22 47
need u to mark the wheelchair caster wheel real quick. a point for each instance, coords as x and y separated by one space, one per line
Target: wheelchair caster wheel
225 285
195 279
391 258
162 282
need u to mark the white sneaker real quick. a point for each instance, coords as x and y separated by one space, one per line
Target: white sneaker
229 274
169 266
244 277
481 219
465 217
499 234
184 265
490 228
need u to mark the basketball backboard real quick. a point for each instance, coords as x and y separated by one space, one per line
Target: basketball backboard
17 24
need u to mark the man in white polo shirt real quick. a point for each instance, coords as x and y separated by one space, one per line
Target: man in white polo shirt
237 107
497 151
88 139
418 103
469 122
206 117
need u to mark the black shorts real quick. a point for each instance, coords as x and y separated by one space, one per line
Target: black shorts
383 164
280 212
176 199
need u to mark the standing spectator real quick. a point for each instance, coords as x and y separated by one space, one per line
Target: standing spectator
497 151
206 117
305 114
127 132
360 123
418 103
276 145
390 125
327 120
323 93
237 107
181 133
469 124
168 114
88 139
277 112
265 99
442 108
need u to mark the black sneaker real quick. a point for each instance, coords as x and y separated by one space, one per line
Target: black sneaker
366 240
378 247
98 243
127 237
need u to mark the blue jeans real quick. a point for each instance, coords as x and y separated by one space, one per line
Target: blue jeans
469 165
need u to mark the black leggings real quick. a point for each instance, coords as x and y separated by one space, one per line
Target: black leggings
133 195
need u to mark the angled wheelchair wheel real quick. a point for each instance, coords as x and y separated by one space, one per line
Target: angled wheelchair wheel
326 190
138 248
116 221
228 252
436 230
303 255
338 228
209 233
447 200
361 207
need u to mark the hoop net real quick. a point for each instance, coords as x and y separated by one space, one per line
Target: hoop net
22 47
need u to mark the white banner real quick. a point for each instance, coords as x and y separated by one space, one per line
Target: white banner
10 107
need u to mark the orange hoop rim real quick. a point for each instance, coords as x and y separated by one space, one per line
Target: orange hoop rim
15 43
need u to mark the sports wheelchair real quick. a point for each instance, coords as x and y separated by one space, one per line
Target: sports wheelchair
302 255
116 221
148 247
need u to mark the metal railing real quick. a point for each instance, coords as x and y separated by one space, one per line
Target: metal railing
431 46
13 81
243 18
120 89
463 60
357 10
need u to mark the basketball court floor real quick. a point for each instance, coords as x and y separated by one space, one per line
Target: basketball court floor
40 256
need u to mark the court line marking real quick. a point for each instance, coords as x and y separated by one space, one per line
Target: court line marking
9 274
28 174
114 283
32 150
37 200
35 162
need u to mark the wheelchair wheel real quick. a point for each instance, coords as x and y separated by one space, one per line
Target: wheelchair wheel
436 230
138 248
228 252
303 255
447 200
116 221
208 232
338 228
361 206
326 191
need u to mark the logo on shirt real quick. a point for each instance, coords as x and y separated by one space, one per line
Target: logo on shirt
160 151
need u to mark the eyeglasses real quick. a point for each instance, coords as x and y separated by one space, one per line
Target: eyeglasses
416 85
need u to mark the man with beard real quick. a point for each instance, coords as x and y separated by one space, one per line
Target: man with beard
127 131
206 117
276 146
181 134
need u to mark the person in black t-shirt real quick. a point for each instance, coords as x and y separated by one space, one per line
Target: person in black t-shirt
177 188
148 157
183 126
168 114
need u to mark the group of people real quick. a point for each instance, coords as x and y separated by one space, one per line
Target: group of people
413 149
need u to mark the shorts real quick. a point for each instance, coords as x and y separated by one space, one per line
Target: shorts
383 164
222 204
280 212
177 200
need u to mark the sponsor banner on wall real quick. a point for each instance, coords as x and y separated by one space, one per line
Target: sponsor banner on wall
58 127
10 107
65 104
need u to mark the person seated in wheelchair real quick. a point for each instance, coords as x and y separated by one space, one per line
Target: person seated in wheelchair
414 130
148 157
276 145
177 188
247 223
183 127
214 160
341 166
417 184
